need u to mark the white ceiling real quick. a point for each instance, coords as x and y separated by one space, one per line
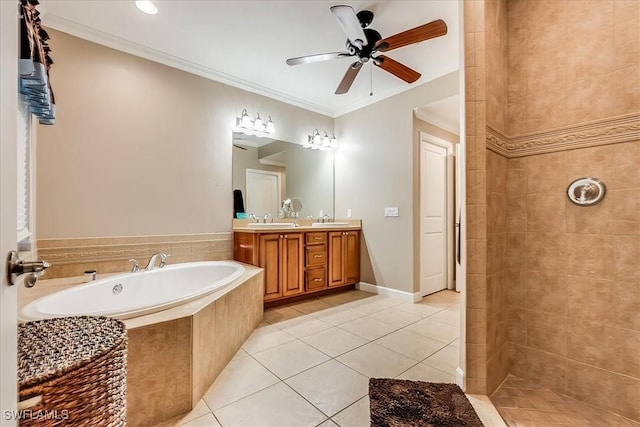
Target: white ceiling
245 43
444 113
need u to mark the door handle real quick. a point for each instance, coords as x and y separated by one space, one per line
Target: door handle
33 269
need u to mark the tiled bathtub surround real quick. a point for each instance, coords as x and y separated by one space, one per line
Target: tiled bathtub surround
71 257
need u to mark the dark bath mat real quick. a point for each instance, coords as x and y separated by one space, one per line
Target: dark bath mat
404 403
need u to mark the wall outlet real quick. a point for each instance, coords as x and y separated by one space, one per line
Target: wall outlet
348 213
391 212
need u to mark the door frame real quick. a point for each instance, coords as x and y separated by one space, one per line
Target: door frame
8 212
427 138
278 175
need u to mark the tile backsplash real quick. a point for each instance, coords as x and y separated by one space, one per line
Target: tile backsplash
71 257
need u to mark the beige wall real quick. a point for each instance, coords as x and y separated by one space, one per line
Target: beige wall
140 148
373 169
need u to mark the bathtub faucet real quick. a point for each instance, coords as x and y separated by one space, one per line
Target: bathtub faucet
152 261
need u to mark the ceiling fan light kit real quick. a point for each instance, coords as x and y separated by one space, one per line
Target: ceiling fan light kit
256 127
364 42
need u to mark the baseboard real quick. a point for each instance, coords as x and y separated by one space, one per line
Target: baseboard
389 292
460 377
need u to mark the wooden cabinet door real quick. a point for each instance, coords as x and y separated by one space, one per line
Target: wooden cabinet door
270 260
336 249
292 264
351 253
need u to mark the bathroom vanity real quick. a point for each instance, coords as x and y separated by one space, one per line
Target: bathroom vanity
300 261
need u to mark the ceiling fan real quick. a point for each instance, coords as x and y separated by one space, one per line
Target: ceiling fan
364 42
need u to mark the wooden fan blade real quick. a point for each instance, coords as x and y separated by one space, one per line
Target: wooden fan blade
397 69
350 24
415 35
348 78
317 58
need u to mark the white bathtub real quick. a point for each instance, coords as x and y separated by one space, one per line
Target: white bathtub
134 294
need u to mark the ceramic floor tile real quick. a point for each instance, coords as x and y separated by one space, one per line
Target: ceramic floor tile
337 315
445 298
445 359
334 341
386 301
435 330
291 358
328 423
207 420
449 316
356 415
311 306
370 329
240 354
368 308
303 326
280 314
330 386
398 318
410 344
422 372
264 338
198 411
486 411
421 310
373 360
238 379
275 406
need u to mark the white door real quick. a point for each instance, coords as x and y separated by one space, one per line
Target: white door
263 192
436 259
8 203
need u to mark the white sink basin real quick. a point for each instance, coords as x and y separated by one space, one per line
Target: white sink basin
330 224
268 225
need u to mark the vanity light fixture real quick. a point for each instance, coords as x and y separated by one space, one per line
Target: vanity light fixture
256 127
147 7
317 142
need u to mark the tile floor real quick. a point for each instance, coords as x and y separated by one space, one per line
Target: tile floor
309 363
523 403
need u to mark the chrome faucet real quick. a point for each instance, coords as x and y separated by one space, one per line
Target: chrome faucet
136 266
266 217
152 261
326 218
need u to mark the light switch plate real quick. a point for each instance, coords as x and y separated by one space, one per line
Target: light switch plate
391 212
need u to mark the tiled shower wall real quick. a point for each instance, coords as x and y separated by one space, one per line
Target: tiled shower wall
574 300
572 109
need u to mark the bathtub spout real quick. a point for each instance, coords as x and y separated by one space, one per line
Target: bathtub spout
152 261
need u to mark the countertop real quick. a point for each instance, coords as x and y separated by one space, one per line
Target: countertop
241 225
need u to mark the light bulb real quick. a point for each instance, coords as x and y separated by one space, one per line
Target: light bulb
257 124
147 7
325 140
270 127
334 141
245 120
317 140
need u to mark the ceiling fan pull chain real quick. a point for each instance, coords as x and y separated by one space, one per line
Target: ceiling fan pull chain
371 78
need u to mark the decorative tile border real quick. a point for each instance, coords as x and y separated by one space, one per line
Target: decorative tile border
70 257
602 132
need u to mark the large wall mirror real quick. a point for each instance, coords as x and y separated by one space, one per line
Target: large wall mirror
268 171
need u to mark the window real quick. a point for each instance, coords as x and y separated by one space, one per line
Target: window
24 175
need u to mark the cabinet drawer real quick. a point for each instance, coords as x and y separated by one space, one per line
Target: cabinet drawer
316 255
315 279
317 237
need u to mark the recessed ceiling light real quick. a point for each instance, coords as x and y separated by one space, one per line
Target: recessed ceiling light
147 7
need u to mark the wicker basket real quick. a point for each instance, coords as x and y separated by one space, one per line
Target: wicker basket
72 372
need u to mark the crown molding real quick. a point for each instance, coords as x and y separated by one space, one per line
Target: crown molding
78 30
612 130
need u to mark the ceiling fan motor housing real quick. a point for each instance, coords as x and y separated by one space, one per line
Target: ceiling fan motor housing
365 52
